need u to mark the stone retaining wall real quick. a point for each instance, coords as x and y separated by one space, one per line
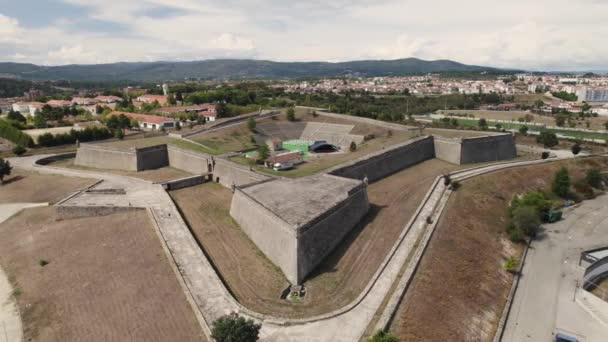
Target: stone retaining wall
386 162
486 149
189 161
73 212
106 158
320 237
272 235
228 173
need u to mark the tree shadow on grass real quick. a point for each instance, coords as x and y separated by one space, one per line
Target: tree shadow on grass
13 179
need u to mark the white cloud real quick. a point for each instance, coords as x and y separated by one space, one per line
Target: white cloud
543 34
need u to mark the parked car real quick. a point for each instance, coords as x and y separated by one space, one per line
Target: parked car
561 337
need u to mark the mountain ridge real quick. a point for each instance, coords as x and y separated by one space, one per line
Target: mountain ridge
234 69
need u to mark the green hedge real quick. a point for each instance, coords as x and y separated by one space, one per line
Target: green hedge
10 133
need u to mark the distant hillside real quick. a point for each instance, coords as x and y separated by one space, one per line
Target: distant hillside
233 68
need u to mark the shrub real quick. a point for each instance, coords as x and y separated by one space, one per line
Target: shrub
43 263
291 114
483 124
561 183
382 336
369 137
263 152
455 185
582 187
353 146
251 124
314 113
19 150
234 328
548 139
515 234
5 169
544 155
576 149
119 134
511 265
447 180
594 178
539 200
526 219
523 130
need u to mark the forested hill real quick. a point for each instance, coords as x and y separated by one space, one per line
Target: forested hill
234 69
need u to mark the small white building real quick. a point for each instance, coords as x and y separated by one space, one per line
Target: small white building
149 122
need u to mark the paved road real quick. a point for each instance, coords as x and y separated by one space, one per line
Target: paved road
10 321
544 300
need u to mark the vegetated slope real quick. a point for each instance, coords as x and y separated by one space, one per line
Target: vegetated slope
234 68
460 288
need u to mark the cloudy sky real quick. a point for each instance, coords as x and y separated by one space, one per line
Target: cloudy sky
530 34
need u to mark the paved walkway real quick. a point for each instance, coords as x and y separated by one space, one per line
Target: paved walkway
544 300
209 293
10 320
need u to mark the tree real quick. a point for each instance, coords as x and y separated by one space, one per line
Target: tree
179 97
382 336
539 104
594 178
251 124
523 130
560 121
221 110
353 146
171 100
526 219
291 114
39 121
548 139
561 183
119 134
18 150
576 148
178 126
263 152
12 115
234 328
498 126
5 169
483 124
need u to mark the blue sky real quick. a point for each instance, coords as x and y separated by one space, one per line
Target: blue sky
539 34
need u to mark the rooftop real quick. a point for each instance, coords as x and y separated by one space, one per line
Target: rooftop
302 200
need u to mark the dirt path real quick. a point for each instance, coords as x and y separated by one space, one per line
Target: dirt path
98 278
460 288
257 284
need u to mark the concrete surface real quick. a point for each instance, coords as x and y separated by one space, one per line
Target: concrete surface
10 320
545 298
307 216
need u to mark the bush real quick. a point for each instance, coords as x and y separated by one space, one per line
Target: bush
594 178
291 114
263 152
447 180
511 265
548 139
523 130
382 336
14 135
455 185
539 200
251 124
515 234
526 219
87 134
561 183
119 134
353 146
369 137
582 187
483 124
19 150
576 149
544 155
233 328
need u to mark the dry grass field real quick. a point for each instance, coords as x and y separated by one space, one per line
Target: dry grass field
460 288
31 187
157 175
93 279
257 284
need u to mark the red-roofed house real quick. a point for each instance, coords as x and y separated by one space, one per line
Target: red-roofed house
59 103
149 122
148 98
108 99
